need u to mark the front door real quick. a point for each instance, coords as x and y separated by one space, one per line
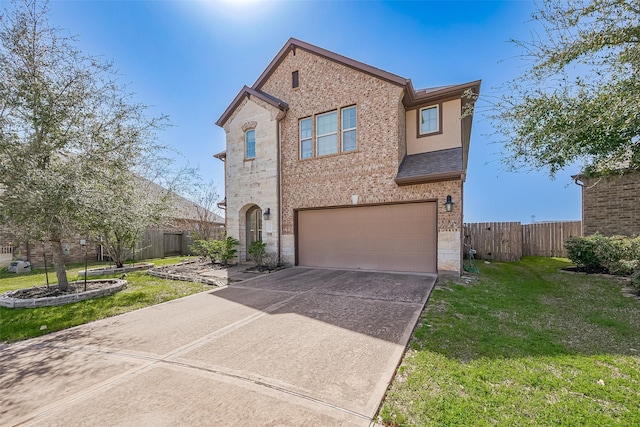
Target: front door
254 225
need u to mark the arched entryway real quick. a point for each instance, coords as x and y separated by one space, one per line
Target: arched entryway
254 225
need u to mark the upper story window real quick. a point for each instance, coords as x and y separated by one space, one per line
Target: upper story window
250 144
429 120
349 129
295 79
306 138
327 133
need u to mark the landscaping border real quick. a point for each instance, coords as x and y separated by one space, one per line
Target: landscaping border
108 270
156 272
6 299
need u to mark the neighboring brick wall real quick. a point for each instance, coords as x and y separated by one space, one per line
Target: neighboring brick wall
368 172
611 205
32 252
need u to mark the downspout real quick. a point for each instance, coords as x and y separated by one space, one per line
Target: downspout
279 191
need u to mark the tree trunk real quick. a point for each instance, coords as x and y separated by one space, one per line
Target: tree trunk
58 263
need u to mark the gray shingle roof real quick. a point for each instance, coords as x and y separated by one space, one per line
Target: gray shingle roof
432 166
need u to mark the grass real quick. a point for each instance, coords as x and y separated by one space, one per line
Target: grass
142 291
525 345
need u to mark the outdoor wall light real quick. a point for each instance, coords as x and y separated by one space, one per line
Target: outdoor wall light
266 214
448 205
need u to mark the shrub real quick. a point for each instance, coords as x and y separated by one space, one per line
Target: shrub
208 249
617 254
582 250
614 253
228 249
635 279
216 250
258 251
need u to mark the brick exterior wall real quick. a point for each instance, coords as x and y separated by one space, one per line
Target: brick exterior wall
32 252
369 171
610 205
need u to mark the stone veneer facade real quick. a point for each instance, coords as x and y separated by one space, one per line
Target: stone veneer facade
255 181
329 181
610 205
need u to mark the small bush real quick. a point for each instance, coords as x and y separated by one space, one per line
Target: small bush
216 250
616 254
258 251
635 279
228 249
582 250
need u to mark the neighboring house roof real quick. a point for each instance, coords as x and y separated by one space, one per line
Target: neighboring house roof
182 209
432 166
221 155
411 98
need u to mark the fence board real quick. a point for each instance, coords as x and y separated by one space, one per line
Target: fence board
172 244
547 239
509 241
500 241
151 245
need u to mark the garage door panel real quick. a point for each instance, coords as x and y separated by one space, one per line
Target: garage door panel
398 237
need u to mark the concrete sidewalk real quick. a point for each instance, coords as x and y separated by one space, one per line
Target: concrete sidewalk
293 348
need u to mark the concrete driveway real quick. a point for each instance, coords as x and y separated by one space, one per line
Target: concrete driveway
300 347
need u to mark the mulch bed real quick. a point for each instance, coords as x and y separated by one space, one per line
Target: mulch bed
194 267
587 270
54 291
263 269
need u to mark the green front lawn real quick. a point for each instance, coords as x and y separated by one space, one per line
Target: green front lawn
142 291
525 345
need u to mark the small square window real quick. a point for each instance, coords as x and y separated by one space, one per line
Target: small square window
295 82
429 121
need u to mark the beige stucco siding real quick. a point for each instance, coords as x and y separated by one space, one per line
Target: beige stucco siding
451 136
368 172
252 182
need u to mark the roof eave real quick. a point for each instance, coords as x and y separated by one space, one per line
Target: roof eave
413 98
422 179
248 92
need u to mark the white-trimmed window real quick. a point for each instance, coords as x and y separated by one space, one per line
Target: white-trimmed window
306 138
429 120
250 144
349 128
327 133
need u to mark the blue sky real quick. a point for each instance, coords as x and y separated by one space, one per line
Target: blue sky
189 59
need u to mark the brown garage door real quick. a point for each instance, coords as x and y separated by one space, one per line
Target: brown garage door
398 237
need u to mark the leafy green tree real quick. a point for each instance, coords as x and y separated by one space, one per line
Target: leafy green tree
70 135
578 101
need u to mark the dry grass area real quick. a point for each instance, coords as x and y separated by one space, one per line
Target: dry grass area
524 345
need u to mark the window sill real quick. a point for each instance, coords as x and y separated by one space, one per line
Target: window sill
329 156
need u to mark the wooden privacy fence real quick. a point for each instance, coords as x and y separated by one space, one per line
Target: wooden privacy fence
510 241
158 243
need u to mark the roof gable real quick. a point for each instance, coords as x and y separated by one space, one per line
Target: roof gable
293 44
248 92
411 99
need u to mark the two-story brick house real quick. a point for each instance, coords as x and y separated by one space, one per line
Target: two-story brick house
334 163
